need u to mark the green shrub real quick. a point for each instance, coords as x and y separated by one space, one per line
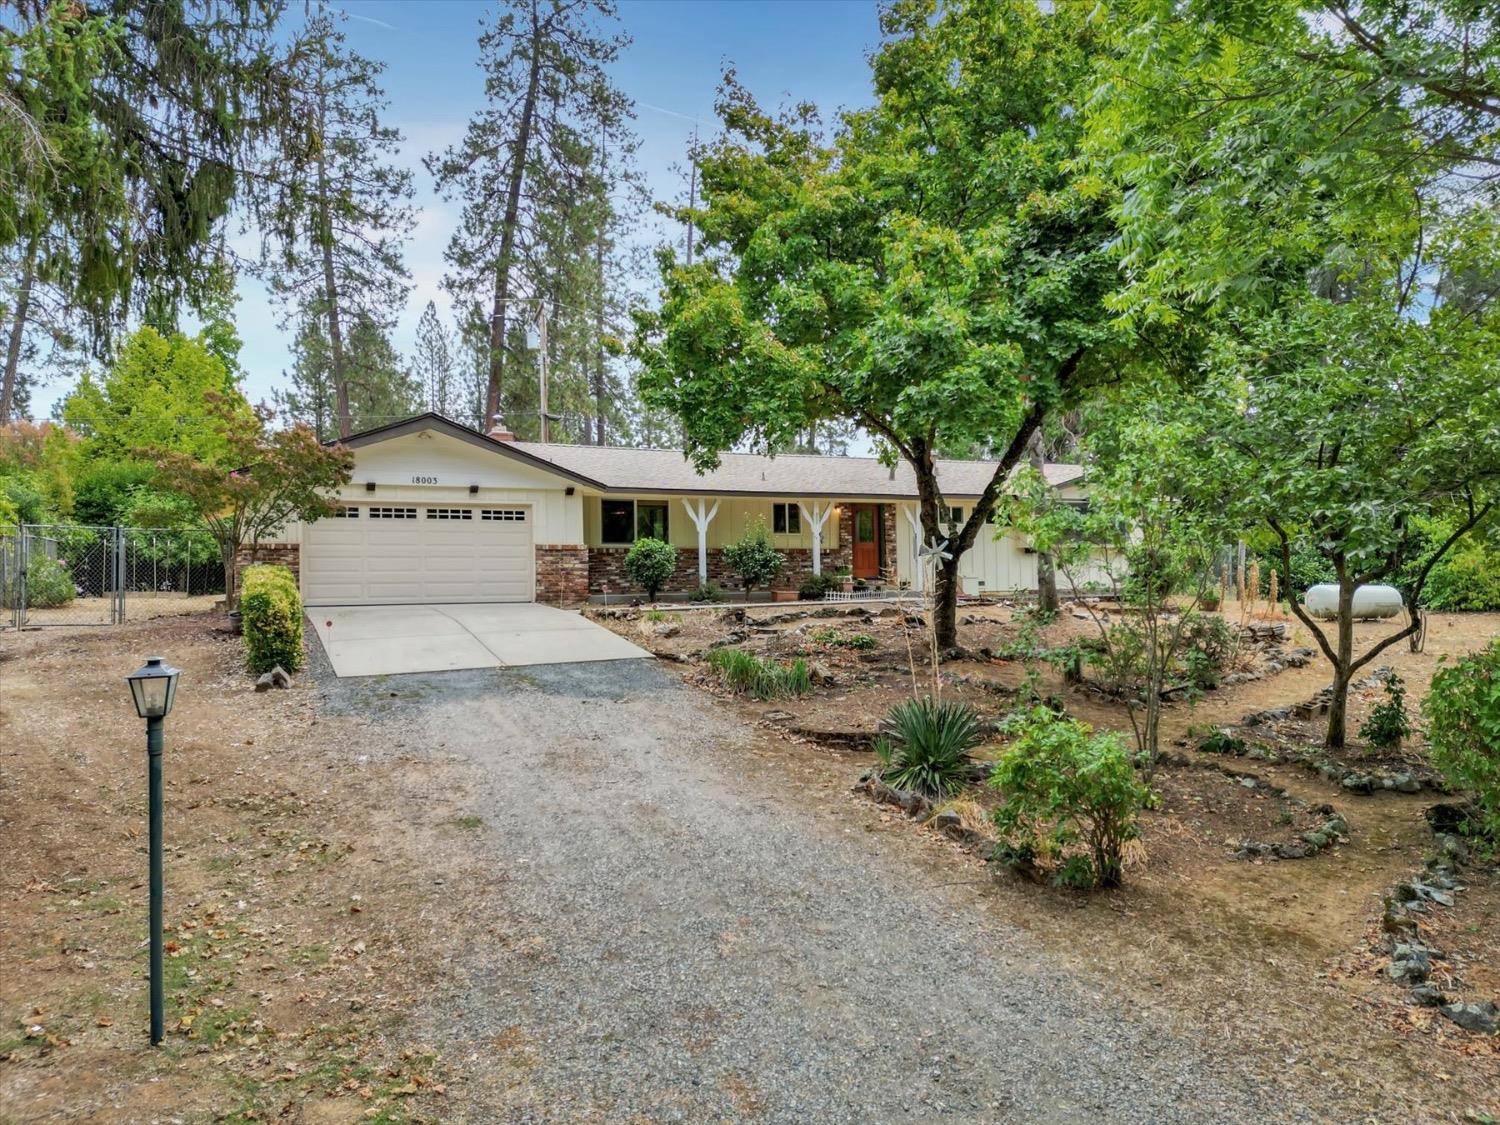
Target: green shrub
744 672
1388 723
1065 785
836 639
650 563
1463 715
1468 578
49 584
753 557
1209 643
271 615
924 745
816 586
706 592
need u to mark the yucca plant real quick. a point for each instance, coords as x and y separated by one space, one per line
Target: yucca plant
924 745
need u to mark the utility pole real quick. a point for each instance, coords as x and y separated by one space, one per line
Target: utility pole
541 327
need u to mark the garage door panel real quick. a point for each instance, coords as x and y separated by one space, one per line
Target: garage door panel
418 558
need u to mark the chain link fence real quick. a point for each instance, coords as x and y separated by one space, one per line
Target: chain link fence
76 574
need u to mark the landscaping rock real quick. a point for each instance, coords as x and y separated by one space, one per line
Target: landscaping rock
1411 963
1300 657
280 677
1481 1015
264 683
820 674
1428 996
667 629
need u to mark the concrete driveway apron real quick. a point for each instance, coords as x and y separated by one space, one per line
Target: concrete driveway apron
382 640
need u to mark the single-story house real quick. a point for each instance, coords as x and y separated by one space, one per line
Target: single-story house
438 512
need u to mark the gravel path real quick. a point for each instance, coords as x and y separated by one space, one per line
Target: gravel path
674 939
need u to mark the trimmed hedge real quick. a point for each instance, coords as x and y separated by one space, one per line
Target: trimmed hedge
271 615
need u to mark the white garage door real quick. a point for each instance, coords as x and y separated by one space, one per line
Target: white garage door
393 554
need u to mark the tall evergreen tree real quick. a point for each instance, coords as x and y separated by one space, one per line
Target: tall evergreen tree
380 389
341 213
127 131
433 364
524 155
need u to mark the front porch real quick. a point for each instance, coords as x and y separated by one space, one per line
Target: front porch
828 537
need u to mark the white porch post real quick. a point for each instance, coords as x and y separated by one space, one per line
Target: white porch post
918 580
817 520
701 519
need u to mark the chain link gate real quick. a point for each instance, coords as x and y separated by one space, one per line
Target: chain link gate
76 574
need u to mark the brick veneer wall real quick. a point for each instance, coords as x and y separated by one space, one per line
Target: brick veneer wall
606 567
562 573
288 555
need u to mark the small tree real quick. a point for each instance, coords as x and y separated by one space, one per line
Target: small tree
649 564
753 557
278 476
1157 513
1463 710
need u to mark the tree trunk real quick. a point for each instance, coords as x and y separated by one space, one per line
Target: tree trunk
599 390
1046 573
518 154
1338 706
17 332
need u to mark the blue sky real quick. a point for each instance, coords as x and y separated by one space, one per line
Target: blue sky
815 50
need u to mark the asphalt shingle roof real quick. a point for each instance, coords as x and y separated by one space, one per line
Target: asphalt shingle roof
667 470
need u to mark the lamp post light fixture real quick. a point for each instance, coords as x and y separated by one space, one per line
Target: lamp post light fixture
154 690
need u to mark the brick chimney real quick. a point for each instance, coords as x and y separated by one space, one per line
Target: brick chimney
498 431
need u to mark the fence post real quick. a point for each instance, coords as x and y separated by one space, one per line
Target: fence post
119 537
25 558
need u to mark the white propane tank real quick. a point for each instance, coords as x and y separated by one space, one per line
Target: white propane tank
1369 601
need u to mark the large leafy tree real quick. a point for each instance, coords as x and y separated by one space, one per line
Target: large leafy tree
340 212
937 273
1317 202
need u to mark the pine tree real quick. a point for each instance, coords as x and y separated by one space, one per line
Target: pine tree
524 155
433 364
341 214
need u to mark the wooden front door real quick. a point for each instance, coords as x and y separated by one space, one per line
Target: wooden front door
866 560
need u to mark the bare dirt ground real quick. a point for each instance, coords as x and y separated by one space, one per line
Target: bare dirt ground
565 895
98 611
299 902
1293 946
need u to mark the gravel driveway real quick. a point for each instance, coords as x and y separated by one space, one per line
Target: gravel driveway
672 932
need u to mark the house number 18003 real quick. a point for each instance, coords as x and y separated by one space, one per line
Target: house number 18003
424 480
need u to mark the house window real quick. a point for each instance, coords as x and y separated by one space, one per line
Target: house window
503 515
343 513
955 515
625 521
393 513
651 520
450 513
786 519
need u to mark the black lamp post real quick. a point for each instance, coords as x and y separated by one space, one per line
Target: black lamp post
154 688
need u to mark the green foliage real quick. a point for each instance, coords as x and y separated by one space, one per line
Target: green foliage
1388 722
706 593
48 583
1220 741
815 586
1065 785
271 615
1463 735
161 393
924 745
744 672
1466 579
1209 642
836 638
753 557
106 487
650 563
